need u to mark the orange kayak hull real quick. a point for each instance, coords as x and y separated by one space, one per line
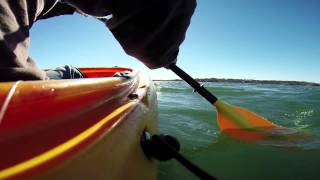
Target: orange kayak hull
81 129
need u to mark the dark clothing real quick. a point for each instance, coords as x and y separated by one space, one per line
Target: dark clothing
149 30
16 18
65 72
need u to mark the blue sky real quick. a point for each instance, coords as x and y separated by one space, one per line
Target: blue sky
251 39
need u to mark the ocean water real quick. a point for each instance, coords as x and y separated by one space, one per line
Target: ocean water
192 120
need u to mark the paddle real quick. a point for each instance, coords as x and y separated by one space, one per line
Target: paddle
238 121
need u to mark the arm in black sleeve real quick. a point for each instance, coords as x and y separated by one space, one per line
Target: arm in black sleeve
153 30
149 30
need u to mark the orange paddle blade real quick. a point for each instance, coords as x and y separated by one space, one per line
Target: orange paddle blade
241 123
233 117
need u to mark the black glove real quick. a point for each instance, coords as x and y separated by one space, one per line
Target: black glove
151 30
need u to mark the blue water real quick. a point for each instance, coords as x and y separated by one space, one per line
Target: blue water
288 155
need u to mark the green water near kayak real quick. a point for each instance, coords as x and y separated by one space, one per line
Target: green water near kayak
289 155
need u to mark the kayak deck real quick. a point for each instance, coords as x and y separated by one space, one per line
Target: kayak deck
77 128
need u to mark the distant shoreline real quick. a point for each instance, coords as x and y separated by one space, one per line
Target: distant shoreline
252 81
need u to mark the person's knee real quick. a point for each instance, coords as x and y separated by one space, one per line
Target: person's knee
65 72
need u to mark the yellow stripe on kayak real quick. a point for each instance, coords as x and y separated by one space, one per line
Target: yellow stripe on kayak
53 153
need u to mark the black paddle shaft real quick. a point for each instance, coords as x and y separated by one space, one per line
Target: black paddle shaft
193 83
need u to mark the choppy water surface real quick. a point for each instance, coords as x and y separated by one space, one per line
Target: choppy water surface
290 155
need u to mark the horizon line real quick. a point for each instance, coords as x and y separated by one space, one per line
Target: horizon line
288 82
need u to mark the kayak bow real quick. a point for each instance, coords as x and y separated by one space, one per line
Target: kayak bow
78 128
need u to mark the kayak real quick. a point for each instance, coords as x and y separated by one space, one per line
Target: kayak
87 128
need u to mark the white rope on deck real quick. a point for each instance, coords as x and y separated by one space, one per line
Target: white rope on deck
7 100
